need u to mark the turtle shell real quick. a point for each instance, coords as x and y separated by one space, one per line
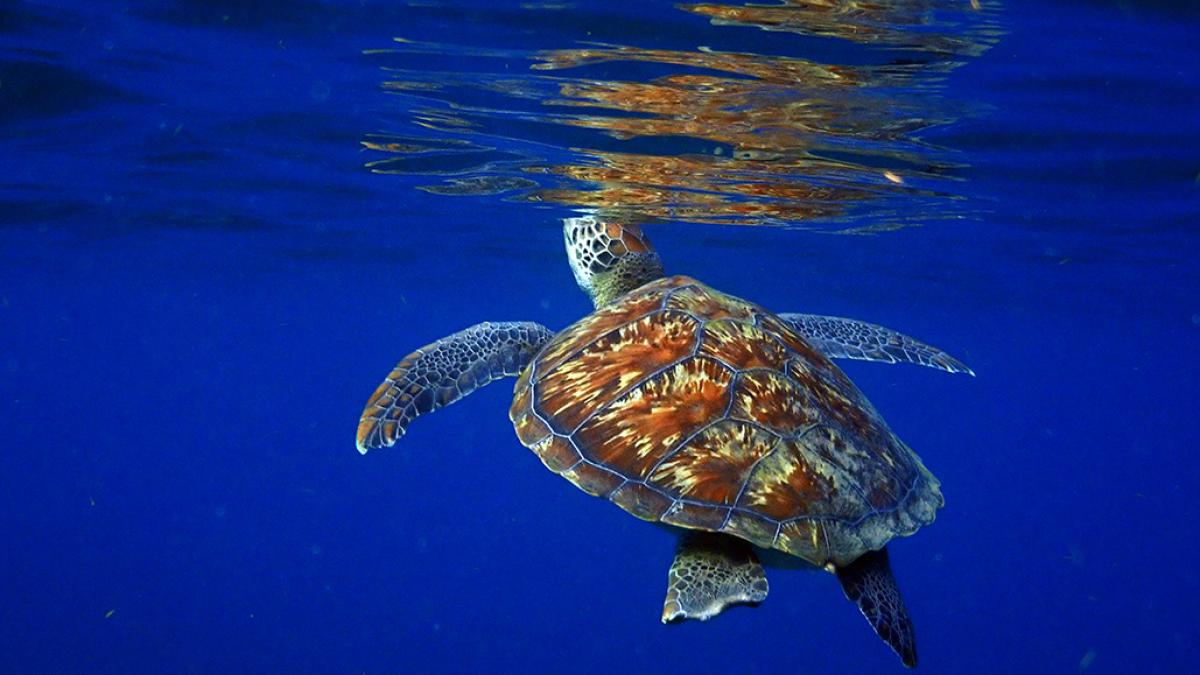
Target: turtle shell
694 408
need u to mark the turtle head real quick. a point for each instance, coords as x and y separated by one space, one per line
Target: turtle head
609 259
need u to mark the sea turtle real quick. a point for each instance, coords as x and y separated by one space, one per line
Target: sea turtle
705 412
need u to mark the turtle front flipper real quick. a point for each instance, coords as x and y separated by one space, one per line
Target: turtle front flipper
868 582
439 374
711 572
840 338
609 259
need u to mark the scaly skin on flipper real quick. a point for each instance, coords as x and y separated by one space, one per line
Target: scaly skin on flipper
868 583
840 338
440 373
710 573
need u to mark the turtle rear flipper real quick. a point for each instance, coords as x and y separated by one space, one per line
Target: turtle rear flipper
711 572
869 583
839 338
440 373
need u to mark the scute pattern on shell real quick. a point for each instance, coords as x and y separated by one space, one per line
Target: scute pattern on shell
684 405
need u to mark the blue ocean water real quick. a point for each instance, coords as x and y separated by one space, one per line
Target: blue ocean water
222 223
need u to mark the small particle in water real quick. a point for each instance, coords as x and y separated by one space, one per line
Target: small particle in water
1196 319
1086 661
895 178
315 549
219 512
109 613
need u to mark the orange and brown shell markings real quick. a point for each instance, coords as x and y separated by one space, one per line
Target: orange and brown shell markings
529 427
741 345
690 407
557 453
770 399
642 500
612 364
601 322
782 332
637 430
711 305
717 463
786 483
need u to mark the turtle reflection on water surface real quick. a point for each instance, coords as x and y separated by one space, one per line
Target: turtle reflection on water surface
689 407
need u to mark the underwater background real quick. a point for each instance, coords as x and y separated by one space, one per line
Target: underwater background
222 223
